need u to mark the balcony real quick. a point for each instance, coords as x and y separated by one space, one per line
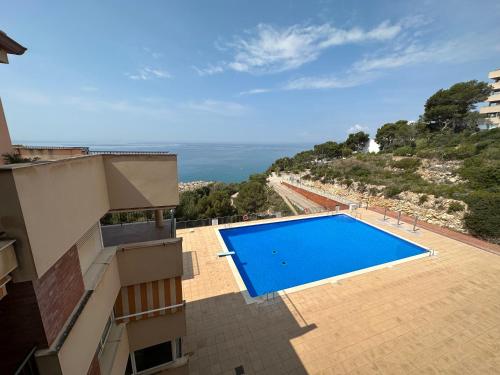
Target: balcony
149 261
148 332
490 109
493 98
138 181
125 233
496 85
50 204
494 74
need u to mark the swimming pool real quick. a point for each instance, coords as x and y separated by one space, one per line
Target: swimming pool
275 256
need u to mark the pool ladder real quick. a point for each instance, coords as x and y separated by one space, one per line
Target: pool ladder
271 296
356 213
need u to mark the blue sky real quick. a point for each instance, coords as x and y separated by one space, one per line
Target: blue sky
271 71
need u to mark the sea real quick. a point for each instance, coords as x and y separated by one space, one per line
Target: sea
225 162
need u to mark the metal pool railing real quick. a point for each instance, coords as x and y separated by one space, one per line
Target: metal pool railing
228 220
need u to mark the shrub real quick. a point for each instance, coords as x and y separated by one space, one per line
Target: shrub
428 154
455 207
482 174
404 151
359 171
16 159
392 191
483 219
459 152
406 163
423 198
346 181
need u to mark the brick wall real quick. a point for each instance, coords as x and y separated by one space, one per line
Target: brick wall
316 198
58 291
21 327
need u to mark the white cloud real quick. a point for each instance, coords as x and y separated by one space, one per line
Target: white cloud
357 128
218 107
209 70
254 91
458 50
328 82
414 52
410 55
267 49
148 73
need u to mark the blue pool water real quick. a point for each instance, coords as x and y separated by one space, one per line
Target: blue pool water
276 256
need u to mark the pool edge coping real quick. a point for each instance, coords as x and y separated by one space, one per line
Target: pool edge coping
329 280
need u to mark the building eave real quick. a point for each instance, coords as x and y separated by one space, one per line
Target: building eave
10 45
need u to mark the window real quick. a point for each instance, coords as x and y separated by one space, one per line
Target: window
154 356
105 333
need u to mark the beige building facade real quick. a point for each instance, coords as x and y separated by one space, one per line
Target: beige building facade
492 110
101 304
81 297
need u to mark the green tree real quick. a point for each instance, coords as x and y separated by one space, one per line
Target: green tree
281 165
206 202
261 178
357 141
450 108
398 134
328 150
251 197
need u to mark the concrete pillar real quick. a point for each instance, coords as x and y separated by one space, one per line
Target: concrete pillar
159 218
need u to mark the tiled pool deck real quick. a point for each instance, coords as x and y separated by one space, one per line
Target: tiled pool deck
435 315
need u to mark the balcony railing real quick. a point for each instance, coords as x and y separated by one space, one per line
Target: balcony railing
120 319
108 152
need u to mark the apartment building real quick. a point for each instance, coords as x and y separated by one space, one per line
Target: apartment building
78 297
492 110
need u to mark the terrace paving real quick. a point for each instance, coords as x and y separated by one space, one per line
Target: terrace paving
434 315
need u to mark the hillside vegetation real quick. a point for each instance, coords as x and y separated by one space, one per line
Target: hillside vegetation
446 134
215 200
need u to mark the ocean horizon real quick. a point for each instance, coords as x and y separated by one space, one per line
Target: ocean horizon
224 162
